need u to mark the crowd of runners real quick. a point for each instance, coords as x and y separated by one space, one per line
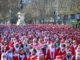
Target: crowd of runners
39 42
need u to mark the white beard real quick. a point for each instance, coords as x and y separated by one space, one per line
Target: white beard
77 52
30 50
52 49
62 48
74 46
17 49
34 43
3 58
38 51
21 56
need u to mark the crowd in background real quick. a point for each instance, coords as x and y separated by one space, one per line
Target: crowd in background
39 42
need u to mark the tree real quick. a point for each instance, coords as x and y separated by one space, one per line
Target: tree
5 6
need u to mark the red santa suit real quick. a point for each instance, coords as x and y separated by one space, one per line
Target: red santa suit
41 55
32 57
10 56
73 58
7 47
78 38
51 53
18 57
35 45
68 44
2 49
67 58
73 48
11 44
61 52
16 49
59 57
4 56
27 55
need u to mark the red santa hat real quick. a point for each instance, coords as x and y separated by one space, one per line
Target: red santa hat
20 42
16 44
74 41
4 54
21 51
70 39
78 49
62 42
59 57
67 41
38 46
26 38
33 58
69 51
46 38
45 44
52 43
78 55
68 44
35 46
79 45
34 39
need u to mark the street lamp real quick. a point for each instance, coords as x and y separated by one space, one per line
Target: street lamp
21 15
21 4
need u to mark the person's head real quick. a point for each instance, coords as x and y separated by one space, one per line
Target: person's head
34 40
27 41
45 45
52 45
27 49
33 52
59 57
21 51
3 49
5 42
40 40
29 46
78 56
69 53
63 46
3 57
17 45
45 39
38 47
57 40
78 50
2 42
24 42
68 46
9 54
74 42
70 40
67 41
